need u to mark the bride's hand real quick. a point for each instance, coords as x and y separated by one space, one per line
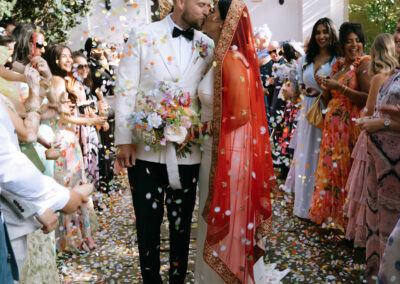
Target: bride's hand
189 136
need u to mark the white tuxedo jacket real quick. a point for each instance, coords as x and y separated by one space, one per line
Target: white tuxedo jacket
149 57
24 191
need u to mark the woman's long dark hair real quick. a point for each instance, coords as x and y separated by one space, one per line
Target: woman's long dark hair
23 34
223 6
313 47
290 52
52 56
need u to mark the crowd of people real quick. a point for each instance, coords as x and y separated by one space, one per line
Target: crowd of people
69 138
323 116
335 134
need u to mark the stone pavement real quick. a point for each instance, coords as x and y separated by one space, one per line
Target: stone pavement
313 255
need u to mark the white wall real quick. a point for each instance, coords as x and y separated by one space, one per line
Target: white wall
109 25
292 20
295 18
283 20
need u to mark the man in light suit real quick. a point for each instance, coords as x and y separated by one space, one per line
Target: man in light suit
165 51
30 193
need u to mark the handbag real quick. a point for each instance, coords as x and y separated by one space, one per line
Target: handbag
314 114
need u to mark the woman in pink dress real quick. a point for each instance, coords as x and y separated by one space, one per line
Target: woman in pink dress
383 61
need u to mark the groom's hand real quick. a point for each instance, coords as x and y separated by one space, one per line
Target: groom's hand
126 155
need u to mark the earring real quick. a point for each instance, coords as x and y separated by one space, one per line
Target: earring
220 27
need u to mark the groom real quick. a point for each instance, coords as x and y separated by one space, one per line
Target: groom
175 52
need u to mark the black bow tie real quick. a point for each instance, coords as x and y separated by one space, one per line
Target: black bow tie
187 33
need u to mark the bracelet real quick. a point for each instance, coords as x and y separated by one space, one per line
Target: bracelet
34 109
345 90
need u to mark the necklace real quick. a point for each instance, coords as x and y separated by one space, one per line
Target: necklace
344 67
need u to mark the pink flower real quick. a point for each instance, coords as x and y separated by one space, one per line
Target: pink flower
184 99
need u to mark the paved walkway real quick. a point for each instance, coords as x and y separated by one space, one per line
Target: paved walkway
313 255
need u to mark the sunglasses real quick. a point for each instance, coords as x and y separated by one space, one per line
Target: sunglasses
80 67
272 51
40 45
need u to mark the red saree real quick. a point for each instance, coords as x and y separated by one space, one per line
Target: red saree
238 207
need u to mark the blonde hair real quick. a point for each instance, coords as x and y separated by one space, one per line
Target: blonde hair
383 55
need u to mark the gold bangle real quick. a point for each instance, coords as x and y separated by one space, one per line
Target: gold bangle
34 109
345 90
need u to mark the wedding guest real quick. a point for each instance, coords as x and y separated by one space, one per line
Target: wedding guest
77 229
30 46
383 210
103 79
383 186
345 94
88 102
9 25
388 270
383 61
262 37
283 134
321 54
267 76
35 193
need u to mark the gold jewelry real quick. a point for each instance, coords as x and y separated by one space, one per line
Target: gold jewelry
344 89
34 109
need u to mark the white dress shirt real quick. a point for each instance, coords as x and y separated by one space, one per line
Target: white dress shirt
182 46
18 175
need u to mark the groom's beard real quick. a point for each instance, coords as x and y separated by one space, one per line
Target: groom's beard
191 22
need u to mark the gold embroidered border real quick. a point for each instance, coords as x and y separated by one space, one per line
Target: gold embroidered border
224 43
264 228
219 266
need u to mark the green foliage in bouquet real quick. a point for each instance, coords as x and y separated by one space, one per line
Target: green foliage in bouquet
55 17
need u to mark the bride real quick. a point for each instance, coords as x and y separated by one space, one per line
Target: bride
236 172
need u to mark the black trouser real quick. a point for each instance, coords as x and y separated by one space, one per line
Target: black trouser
150 190
106 157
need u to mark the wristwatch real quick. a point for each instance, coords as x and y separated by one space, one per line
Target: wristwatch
386 123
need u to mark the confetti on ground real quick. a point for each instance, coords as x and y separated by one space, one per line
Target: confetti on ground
313 254
308 253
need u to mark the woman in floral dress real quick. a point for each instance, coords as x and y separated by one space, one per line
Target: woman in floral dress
347 92
75 233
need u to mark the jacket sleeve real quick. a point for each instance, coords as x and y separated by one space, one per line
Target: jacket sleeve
19 176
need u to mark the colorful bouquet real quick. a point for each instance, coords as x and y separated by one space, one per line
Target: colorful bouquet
285 72
166 115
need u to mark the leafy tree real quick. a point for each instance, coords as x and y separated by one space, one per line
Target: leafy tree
384 13
6 8
54 17
379 16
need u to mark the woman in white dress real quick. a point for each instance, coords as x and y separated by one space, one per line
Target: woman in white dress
321 54
236 171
